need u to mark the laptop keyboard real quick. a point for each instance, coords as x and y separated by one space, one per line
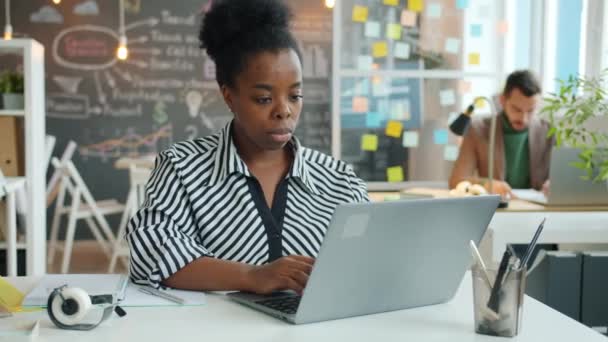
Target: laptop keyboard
288 305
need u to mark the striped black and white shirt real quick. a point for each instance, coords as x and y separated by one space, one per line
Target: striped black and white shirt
201 200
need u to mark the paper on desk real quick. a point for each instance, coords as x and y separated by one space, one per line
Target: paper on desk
530 195
134 297
97 284
93 284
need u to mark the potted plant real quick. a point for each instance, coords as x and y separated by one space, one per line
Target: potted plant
569 111
11 87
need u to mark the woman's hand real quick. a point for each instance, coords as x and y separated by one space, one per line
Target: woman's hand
287 273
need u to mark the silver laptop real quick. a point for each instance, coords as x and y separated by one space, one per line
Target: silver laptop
567 187
386 256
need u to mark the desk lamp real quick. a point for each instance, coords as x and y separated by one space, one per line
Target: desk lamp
460 126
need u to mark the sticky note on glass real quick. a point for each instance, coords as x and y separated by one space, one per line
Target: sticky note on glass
380 89
502 27
369 142
360 13
402 50
474 58
365 62
450 152
393 129
452 45
362 87
447 97
464 87
399 110
440 137
391 2
372 29
393 31
382 106
373 120
394 174
380 49
433 11
410 139
415 5
476 30
408 18
360 104
462 4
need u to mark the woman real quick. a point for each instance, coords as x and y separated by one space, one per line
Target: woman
247 208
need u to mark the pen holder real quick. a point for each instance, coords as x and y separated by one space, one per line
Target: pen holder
505 319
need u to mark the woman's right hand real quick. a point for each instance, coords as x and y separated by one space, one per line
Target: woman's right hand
286 273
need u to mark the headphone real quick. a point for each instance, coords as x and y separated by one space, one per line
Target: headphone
68 306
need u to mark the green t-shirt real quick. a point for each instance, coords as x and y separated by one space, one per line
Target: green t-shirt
517 156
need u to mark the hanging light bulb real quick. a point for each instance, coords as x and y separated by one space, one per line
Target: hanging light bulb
330 3
56 2
8 32
8 29
122 52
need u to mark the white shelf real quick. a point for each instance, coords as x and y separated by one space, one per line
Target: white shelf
12 112
34 242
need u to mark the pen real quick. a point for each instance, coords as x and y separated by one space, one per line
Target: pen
162 294
493 301
480 262
524 261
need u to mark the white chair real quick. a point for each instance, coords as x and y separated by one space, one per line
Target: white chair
93 212
138 178
8 188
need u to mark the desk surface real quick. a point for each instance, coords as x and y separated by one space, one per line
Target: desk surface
223 320
515 205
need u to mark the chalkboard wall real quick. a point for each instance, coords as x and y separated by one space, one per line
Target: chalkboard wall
163 93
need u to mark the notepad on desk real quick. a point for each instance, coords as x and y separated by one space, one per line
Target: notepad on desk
127 293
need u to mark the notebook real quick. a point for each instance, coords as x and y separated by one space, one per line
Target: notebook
118 285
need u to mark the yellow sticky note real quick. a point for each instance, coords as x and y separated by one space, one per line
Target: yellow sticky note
10 297
380 49
391 2
394 128
415 5
393 31
474 58
394 174
369 142
360 104
360 13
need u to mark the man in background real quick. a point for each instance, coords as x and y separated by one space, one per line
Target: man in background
522 149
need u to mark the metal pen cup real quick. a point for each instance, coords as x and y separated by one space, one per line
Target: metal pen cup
505 320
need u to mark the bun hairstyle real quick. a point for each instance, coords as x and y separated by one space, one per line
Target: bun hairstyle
234 30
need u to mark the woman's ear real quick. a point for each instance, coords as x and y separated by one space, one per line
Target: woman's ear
227 95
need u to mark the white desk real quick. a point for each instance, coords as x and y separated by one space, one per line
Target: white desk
567 225
13 184
518 222
223 320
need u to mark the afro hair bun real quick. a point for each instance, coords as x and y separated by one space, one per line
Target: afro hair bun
228 21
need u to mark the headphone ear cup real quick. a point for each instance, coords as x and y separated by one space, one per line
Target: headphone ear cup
71 311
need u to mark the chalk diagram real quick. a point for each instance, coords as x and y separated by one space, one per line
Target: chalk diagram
132 144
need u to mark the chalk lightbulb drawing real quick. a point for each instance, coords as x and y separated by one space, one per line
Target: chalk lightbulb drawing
194 99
